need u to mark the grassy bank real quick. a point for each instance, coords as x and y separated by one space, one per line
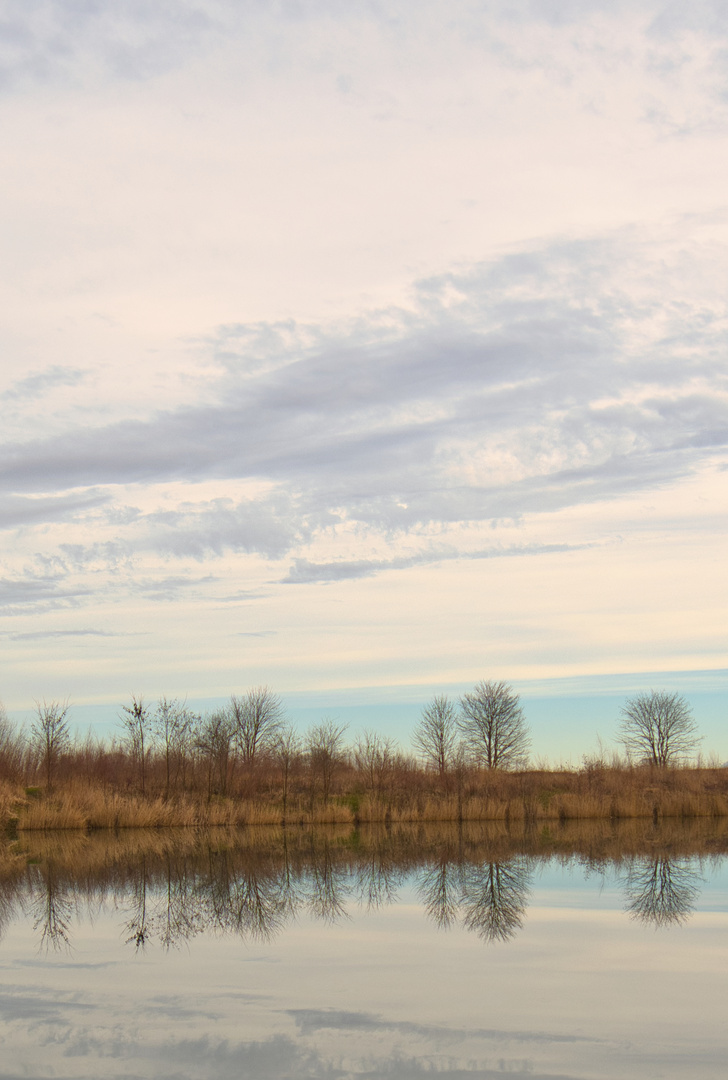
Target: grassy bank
478 795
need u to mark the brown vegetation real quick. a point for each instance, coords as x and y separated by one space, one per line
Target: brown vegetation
244 766
351 797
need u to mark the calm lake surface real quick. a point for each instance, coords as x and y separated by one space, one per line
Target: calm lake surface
404 953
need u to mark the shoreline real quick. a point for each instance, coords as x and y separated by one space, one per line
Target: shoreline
487 796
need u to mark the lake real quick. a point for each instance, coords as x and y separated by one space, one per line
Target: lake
565 952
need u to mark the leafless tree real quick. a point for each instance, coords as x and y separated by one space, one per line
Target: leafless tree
658 728
172 726
12 747
494 726
375 756
136 721
50 735
214 738
326 753
286 753
436 735
256 717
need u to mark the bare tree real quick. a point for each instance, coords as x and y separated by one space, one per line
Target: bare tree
658 728
326 753
50 735
256 718
214 738
136 721
375 756
12 746
286 753
494 726
172 725
436 735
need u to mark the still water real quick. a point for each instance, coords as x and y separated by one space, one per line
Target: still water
405 953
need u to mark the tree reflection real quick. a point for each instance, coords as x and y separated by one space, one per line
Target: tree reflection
52 908
377 876
490 898
439 890
138 927
662 891
252 885
494 898
8 902
257 909
327 886
180 917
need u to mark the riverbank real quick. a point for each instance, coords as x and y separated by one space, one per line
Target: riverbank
534 796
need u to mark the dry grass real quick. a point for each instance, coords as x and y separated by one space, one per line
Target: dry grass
11 798
81 807
593 793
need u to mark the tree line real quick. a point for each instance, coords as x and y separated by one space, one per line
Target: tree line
168 748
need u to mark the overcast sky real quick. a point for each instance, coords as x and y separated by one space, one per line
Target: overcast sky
356 348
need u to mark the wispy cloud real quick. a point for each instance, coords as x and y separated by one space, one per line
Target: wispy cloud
36 594
312 292
303 572
68 42
42 635
312 1020
522 386
43 382
17 511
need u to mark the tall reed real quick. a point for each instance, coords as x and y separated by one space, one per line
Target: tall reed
416 796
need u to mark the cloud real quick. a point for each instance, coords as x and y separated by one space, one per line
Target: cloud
35 594
22 1003
41 635
170 588
304 572
42 382
526 384
69 42
17 511
196 531
267 1059
537 384
313 1020
73 44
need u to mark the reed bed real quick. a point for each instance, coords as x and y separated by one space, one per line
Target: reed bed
530 797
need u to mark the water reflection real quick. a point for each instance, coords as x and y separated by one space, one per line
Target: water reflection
489 898
172 887
495 898
52 910
662 891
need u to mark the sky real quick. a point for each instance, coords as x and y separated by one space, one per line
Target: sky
365 351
